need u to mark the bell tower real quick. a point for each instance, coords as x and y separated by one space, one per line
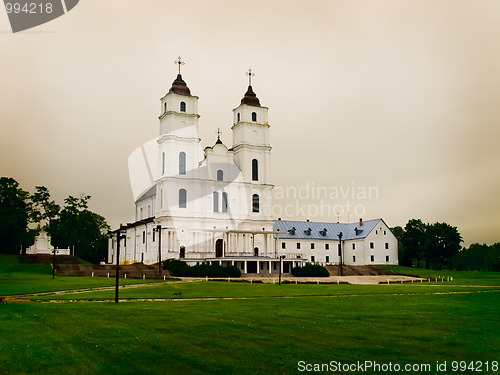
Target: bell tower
252 151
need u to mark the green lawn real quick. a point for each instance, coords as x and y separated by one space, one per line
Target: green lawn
254 333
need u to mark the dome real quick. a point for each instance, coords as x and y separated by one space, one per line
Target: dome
250 98
179 87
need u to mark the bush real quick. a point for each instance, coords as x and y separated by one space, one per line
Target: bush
310 270
180 268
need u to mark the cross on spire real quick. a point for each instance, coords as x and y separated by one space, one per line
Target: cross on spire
179 62
250 74
218 133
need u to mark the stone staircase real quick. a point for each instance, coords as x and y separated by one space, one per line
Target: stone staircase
358 270
134 271
47 259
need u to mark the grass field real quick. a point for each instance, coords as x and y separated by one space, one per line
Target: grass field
248 328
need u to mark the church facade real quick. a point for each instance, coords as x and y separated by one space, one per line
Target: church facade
213 205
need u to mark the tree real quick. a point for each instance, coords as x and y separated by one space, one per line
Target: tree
15 208
43 207
414 240
82 229
442 244
404 258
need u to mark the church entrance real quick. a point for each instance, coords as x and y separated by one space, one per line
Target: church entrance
256 251
286 267
251 267
182 252
218 248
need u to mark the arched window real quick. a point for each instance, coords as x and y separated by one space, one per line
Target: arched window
149 211
224 202
165 107
183 106
255 170
238 117
163 163
220 175
255 203
182 162
161 198
254 116
182 198
216 201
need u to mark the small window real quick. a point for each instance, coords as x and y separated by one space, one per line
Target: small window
385 232
372 258
327 246
283 245
312 258
354 259
312 245
255 170
372 245
143 236
298 245
255 203
220 175
154 235
354 246
163 163
387 258
254 116
224 202
387 245
183 107
165 107
327 258
238 117
182 198
216 201
141 214
182 162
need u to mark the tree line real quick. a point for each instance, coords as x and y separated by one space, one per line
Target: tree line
71 226
438 246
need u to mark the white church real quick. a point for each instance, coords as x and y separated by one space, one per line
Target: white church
213 205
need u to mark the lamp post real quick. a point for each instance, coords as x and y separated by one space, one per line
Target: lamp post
340 253
158 229
54 265
281 257
119 237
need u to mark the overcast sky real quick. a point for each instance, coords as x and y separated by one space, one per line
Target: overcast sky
401 97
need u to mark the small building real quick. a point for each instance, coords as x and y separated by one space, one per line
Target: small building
42 245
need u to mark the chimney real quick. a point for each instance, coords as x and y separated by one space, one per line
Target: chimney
360 222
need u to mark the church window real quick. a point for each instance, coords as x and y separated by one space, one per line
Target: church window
354 259
183 107
254 116
154 235
312 258
161 198
298 245
165 107
182 162
220 175
372 258
224 202
255 170
216 201
312 245
372 245
283 245
327 246
182 198
163 163
149 211
143 236
354 246
255 203
327 258
387 245
238 117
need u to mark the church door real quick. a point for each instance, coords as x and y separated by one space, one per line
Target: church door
182 252
218 248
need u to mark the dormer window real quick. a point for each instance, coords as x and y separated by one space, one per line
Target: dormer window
356 230
323 232
308 231
183 106
254 116
292 231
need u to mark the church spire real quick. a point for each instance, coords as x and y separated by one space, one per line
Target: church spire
250 98
179 86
